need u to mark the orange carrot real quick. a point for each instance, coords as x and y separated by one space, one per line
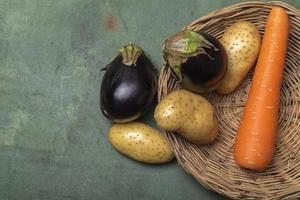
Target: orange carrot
256 137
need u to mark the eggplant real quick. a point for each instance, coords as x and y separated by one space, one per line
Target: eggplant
129 85
198 60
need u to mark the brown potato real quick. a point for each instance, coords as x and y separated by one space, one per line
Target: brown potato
242 44
189 114
140 142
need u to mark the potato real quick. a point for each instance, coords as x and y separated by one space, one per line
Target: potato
140 142
189 114
242 44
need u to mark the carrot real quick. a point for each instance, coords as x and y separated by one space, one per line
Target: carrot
256 137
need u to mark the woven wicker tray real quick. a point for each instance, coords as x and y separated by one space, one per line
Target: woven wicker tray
213 165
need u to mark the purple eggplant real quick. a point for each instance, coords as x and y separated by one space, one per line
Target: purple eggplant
129 85
198 59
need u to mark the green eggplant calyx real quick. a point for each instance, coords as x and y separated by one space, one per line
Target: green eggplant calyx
130 54
175 64
187 43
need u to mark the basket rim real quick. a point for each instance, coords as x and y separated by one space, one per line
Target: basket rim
241 5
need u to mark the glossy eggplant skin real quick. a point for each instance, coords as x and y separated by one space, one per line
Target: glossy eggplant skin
204 71
198 60
128 91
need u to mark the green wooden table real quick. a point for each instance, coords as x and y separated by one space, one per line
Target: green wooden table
53 138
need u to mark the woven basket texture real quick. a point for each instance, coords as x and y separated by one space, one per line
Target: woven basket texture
213 165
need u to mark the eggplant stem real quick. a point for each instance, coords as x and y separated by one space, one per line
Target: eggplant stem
130 54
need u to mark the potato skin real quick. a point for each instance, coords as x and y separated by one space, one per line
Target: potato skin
242 44
140 142
189 114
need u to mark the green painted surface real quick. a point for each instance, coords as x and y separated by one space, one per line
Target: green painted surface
53 142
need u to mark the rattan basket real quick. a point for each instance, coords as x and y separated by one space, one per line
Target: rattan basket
213 165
